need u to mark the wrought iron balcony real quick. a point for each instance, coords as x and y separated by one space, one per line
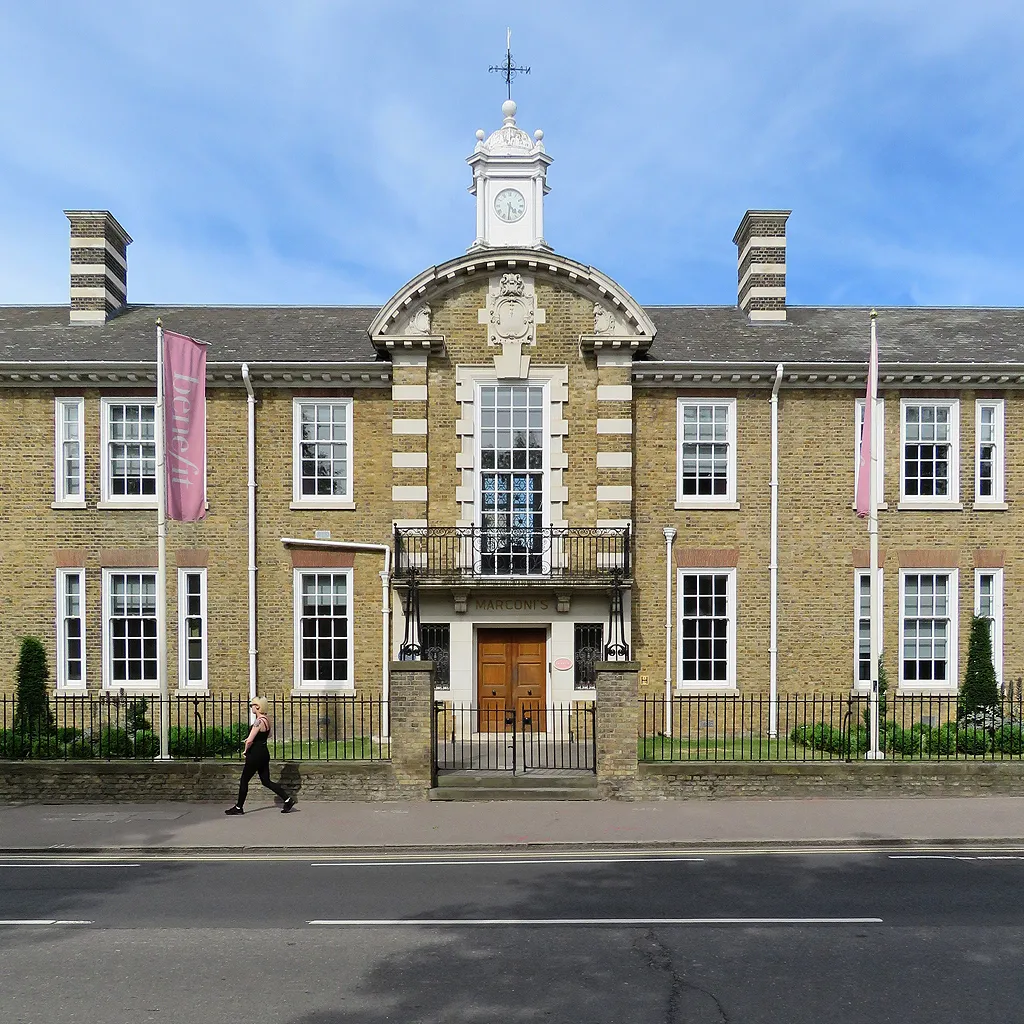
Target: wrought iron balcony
460 555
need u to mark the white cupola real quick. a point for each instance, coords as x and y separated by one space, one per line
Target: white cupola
509 182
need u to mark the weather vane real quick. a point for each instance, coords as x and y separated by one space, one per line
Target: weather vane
509 69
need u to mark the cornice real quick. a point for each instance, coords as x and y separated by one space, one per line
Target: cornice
891 376
263 375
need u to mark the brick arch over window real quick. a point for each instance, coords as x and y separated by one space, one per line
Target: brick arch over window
404 320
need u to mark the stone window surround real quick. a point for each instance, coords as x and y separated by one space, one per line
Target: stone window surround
185 685
706 501
64 685
299 687
62 499
997 499
131 686
701 686
860 578
321 501
928 502
996 619
949 685
108 500
468 380
879 441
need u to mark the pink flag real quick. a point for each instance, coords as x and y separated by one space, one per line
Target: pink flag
867 431
185 427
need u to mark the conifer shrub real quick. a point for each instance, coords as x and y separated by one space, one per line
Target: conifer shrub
979 691
32 714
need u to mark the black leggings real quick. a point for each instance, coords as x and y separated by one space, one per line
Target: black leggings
258 765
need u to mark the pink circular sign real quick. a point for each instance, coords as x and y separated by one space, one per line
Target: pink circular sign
563 664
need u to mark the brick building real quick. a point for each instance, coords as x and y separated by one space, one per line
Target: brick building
516 451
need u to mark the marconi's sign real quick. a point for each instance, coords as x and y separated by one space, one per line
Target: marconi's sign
511 604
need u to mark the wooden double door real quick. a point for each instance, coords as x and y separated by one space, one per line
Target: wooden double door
511 677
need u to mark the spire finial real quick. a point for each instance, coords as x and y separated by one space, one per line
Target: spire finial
509 69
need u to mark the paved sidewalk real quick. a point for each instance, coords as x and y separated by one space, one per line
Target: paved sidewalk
464 827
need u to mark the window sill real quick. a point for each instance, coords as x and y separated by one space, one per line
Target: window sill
930 506
131 688
689 506
946 690
148 505
696 691
324 505
334 689
67 504
990 506
192 691
71 691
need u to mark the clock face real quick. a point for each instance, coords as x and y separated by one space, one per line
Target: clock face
509 205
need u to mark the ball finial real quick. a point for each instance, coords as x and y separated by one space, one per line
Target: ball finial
508 108
480 134
538 135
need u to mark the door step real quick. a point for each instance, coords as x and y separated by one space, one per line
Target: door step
505 786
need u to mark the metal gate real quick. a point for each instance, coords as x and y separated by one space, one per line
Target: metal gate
531 738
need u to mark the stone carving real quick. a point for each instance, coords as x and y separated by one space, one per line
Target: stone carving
511 315
604 322
420 321
511 284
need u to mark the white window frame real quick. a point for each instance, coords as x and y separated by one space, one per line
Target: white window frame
997 499
108 500
996 620
109 682
707 500
184 683
952 499
705 685
64 684
300 500
478 471
878 429
315 686
62 498
864 685
951 683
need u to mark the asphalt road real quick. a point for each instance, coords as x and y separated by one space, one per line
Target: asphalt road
740 939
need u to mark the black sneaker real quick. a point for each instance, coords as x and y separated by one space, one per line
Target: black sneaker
234 810
288 805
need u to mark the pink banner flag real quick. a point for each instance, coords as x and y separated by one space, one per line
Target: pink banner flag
185 427
867 434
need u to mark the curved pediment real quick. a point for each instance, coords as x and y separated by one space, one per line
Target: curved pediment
404 321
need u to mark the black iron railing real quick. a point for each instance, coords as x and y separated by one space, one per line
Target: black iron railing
460 554
530 737
828 727
119 727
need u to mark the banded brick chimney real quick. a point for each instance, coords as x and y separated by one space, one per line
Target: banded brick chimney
761 266
99 266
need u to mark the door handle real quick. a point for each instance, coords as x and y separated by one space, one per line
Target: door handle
529 693
494 693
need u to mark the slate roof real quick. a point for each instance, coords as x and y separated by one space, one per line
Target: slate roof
700 334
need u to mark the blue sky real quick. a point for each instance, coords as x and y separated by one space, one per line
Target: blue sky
313 152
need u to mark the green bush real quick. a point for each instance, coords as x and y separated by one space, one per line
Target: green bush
81 750
1009 739
135 716
942 740
225 742
145 744
830 740
67 734
972 740
910 742
113 742
181 742
32 714
979 690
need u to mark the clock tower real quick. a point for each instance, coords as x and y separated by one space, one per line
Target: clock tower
509 182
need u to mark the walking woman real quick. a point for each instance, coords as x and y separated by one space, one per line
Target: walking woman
257 759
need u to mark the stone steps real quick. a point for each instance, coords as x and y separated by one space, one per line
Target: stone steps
506 786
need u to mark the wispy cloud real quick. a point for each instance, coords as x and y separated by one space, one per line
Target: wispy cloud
314 152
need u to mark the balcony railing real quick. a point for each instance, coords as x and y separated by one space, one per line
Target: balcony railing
463 554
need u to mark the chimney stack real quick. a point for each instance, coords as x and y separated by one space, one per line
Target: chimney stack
761 267
99 266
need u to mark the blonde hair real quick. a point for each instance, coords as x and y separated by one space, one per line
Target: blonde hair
261 703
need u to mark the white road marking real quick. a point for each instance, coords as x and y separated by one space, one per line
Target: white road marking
521 860
623 922
77 864
40 921
949 856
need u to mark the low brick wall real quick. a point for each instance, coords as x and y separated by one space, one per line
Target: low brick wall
731 779
147 781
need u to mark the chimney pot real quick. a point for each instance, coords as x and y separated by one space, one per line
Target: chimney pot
99 266
761 264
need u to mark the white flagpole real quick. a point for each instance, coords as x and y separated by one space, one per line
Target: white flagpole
161 542
874 752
